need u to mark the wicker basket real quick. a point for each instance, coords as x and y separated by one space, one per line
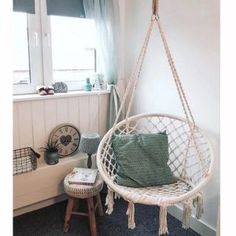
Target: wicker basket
24 160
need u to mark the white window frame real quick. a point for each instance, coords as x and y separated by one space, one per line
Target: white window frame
40 50
46 44
35 54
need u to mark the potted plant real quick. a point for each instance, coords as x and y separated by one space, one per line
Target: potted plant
51 155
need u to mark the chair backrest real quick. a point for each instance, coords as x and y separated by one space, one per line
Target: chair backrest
189 158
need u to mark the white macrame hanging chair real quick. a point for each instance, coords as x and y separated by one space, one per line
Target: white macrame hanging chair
190 153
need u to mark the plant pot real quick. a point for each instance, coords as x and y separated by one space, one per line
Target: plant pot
51 158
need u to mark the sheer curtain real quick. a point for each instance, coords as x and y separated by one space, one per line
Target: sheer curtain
107 19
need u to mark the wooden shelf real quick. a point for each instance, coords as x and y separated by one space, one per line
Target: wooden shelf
45 182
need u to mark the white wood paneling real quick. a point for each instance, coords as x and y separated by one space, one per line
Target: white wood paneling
38 123
50 117
84 113
34 120
93 113
73 111
62 111
16 139
25 125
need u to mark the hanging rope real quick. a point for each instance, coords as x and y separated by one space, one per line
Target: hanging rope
155 7
139 67
183 99
133 80
181 188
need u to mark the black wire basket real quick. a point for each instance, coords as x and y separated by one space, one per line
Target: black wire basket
24 160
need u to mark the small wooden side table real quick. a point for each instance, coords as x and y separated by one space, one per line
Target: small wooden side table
92 196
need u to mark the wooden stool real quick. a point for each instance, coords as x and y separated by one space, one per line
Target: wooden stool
92 196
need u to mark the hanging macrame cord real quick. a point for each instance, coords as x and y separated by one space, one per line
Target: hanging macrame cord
190 153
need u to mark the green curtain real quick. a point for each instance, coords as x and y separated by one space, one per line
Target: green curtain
114 105
107 19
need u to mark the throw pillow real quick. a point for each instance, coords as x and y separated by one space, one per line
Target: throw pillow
142 160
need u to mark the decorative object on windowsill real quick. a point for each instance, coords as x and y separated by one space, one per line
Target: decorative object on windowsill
45 90
50 90
51 155
68 137
41 90
99 83
60 87
89 144
24 160
88 86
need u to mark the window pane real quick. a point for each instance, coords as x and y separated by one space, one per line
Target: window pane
73 48
21 69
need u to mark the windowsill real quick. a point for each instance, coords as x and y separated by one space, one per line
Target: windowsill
32 97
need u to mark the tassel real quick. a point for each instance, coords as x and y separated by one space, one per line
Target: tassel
187 214
163 228
130 212
198 204
109 201
117 196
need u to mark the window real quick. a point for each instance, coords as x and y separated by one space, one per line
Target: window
73 49
52 44
21 73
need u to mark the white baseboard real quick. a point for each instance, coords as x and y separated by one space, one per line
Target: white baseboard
197 225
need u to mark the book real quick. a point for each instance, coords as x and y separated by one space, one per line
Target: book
83 176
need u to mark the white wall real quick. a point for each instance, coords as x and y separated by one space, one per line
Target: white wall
192 30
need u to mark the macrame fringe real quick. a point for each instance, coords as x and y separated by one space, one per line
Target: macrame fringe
187 214
109 201
163 227
198 204
131 212
117 196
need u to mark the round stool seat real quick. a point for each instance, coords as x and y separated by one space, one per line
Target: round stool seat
83 191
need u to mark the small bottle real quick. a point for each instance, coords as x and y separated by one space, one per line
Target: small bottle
88 86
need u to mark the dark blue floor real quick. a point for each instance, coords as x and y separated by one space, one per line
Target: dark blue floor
49 222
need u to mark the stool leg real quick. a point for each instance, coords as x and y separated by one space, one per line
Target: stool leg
92 219
99 202
76 205
69 209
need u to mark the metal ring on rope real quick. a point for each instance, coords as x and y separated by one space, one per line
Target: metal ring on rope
155 8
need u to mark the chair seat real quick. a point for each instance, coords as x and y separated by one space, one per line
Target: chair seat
156 194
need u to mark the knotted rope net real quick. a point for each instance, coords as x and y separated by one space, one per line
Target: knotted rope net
190 153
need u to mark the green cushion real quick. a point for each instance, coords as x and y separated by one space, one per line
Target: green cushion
142 160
